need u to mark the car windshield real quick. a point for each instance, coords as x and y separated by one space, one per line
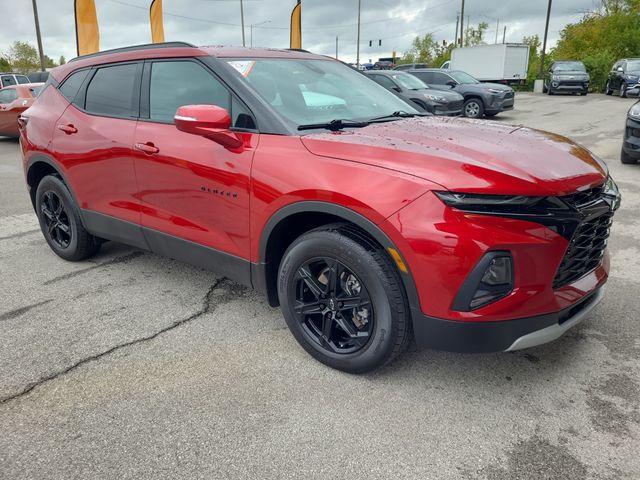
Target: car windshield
633 66
463 78
318 91
409 81
569 67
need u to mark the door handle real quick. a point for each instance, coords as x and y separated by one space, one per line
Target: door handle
68 129
148 148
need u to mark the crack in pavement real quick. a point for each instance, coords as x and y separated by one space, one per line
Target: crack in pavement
113 261
19 311
207 307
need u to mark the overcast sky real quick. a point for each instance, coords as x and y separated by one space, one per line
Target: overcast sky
209 22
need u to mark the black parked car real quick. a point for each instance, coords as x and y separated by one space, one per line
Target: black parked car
480 99
567 76
414 91
631 145
624 77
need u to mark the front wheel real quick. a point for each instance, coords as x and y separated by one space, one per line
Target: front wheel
607 89
627 159
623 90
473 108
343 300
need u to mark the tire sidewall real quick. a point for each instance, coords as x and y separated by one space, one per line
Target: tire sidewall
480 108
55 185
330 244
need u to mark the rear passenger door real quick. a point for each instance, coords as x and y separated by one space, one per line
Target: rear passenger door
93 140
194 192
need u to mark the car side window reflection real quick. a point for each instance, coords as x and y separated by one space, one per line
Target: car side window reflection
180 83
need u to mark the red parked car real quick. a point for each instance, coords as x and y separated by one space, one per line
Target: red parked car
297 175
13 101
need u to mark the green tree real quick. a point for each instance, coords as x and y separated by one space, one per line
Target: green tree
62 60
5 65
475 35
24 57
49 62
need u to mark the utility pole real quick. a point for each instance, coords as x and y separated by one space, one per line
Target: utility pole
544 43
242 22
251 30
504 35
462 25
358 46
38 36
457 25
497 29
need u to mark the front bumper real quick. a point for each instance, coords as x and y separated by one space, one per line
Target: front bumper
569 86
631 144
503 336
501 103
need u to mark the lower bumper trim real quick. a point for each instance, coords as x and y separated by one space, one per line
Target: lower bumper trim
508 335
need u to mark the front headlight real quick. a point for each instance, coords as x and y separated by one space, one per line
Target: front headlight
495 90
632 78
470 202
435 98
635 112
610 190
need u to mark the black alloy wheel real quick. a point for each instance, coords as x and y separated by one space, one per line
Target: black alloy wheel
56 219
333 306
60 221
343 299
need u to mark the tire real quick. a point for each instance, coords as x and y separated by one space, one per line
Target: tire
623 90
544 88
549 91
627 159
583 94
60 221
607 88
473 108
319 269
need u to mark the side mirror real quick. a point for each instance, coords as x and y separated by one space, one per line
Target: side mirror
620 69
397 89
208 121
452 84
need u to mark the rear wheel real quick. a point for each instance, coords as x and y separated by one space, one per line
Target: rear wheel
627 159
343 300
473 108
607 89
60 221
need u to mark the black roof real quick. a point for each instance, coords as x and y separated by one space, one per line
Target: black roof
133 48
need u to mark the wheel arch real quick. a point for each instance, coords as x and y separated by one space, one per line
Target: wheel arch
277 235
38 167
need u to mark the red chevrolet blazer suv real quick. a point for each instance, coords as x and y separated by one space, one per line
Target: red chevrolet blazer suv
367 222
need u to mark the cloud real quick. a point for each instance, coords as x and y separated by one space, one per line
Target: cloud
209 22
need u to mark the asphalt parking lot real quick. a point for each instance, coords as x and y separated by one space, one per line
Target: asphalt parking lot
136 366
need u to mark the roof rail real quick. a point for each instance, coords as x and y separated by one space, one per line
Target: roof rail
133 48
298 50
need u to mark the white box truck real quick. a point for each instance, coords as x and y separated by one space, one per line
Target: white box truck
501 63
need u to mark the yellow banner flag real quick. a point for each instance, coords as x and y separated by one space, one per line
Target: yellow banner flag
296 26
157 23
87 32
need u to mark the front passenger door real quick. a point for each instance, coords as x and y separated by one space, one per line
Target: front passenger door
194 192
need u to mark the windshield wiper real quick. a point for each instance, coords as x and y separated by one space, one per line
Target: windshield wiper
398 114
334 125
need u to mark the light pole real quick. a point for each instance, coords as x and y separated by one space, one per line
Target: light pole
462 25
256 25
242 22
544 43
38 36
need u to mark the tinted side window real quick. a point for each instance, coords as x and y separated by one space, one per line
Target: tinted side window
8 80
426 77
384 81
175 84
22 79
440 78
8 95
72 84
112 91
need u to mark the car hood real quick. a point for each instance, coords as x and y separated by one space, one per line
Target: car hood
468 155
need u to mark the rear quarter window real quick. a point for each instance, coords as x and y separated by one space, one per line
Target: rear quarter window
69 89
